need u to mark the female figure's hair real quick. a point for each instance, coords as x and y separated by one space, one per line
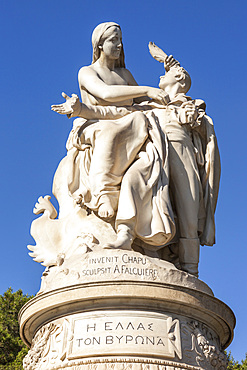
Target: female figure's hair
98 39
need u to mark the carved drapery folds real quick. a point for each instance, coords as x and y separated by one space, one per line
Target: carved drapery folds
137 193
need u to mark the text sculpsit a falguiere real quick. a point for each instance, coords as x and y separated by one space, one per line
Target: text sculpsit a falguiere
142 165
137 193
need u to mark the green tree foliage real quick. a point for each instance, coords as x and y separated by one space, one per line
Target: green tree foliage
235 365
12 349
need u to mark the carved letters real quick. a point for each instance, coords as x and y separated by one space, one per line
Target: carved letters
83 337
125 332
107 333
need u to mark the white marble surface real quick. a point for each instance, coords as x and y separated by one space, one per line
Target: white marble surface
107 265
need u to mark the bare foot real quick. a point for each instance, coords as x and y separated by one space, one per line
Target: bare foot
124 241
105 210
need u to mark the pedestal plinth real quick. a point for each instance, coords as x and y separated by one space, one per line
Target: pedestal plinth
121 310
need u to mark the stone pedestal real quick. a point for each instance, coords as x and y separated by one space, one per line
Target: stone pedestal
116 309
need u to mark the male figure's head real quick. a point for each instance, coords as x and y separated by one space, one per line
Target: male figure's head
176 79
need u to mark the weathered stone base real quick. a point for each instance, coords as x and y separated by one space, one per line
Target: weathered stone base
111 363
163 319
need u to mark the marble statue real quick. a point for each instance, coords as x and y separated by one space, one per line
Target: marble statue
137 193
141 159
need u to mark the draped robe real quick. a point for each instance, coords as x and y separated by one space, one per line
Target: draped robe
125 156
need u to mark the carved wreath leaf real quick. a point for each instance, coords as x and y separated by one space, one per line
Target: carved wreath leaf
157 53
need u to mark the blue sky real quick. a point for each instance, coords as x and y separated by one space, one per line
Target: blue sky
43 45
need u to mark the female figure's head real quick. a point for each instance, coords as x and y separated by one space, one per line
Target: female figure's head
107 37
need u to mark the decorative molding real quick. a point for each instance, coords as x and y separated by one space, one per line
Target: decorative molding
121 363
49 346
202 345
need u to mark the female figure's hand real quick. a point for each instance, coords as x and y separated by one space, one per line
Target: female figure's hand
71 106
159 95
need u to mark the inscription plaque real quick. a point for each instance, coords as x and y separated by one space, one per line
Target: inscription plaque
124 333
118 265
